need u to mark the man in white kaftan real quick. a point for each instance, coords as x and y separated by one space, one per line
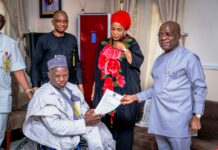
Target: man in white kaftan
58 115
11 62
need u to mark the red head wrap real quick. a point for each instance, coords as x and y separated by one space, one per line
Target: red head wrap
121 17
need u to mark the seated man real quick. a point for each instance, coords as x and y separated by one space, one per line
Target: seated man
58 116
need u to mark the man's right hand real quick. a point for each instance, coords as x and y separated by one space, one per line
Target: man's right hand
128 99
92 119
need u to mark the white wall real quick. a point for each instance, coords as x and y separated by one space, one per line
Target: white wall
73 9
212 83
201 22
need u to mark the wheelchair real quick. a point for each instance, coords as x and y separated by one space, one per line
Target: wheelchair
27 144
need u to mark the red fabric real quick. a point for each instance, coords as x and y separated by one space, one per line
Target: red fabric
121 17
112 114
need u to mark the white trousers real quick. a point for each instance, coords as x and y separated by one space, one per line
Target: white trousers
3 123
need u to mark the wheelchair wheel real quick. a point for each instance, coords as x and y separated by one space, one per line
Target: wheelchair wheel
27 144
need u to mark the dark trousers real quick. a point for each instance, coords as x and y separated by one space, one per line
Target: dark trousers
123 137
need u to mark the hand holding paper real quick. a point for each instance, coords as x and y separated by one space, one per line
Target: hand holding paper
108 103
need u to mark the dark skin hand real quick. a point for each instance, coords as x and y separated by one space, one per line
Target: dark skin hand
91 118
195 125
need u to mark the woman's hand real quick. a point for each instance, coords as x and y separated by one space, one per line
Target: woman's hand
126 51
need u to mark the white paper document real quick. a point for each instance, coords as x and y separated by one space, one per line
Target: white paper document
109 102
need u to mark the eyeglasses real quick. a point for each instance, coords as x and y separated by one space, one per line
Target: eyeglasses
167 34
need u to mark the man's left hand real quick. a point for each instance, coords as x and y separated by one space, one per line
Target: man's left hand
194 125
29 93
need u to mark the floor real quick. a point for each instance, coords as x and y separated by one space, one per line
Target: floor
143 140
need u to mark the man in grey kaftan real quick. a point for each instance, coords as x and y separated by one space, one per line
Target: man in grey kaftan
58 116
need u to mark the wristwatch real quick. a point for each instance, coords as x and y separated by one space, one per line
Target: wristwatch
124 49
198 116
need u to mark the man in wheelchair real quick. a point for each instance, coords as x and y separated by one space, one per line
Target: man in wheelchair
58 116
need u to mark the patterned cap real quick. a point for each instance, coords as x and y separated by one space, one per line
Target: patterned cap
57 61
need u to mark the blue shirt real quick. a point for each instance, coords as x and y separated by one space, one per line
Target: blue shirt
179 90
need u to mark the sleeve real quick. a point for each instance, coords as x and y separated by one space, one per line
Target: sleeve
59 126
97 77
35 65
78 66
196 77
137 56
144 95
17 62
97 71
147 94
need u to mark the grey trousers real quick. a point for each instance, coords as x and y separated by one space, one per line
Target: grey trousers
3 123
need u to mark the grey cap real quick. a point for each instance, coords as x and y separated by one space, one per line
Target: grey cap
57 61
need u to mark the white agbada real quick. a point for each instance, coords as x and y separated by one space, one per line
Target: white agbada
49 121
11 60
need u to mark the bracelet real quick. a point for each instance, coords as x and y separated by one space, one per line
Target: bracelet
124 49
35 88
28 90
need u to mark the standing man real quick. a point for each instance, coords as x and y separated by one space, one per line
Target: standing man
11 61
178 93
56 42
